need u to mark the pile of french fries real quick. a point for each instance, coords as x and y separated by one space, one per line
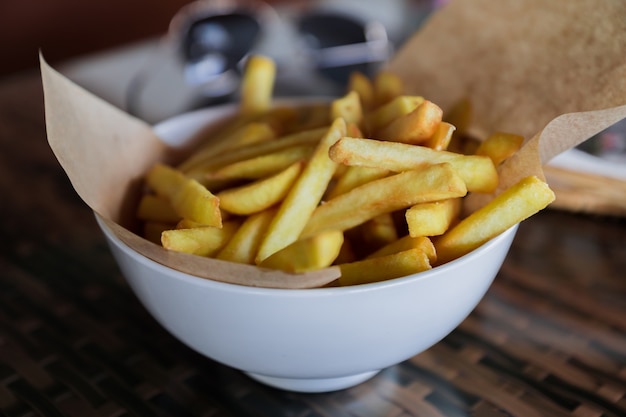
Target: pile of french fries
373 182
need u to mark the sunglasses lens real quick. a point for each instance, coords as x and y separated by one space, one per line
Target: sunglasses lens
218 43
327 31
340 45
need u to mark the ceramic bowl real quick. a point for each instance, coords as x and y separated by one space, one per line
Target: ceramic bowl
311 340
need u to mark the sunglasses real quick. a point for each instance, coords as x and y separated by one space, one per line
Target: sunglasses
208 42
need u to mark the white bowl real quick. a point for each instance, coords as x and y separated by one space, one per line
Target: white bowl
311 340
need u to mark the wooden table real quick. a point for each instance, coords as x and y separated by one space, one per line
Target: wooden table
548 339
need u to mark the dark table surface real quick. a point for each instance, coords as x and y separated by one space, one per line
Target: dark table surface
548 339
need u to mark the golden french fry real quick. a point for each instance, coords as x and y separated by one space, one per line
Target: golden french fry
243 245
188 224
382 268
260 195
202 241
513 205
245 134
440 140
189 198
262 166
360 83
354 176
153 208
347 107
164 180
304 196
432 219
478 172
378 231
500 146
252 132
415 127
423 243
257 85
307 137
399 191
387 86
304 255
195 202
352 129
395 109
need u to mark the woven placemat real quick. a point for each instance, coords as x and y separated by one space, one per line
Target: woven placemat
76 342
549 338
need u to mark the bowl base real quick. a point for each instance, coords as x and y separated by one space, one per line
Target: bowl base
312 385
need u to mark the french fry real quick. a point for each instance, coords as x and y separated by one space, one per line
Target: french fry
500 146
304 255
478 172
257 85
243 134
513 205
156 209
260 195
387 113
432 219
354 176
194 202
262 166
396 192
347 107
442 137
202 241
304 196
363 86
243 245
383 268
306 137
188 197
423 243
378 231
415 127
188 224
252 132
352 129
387 86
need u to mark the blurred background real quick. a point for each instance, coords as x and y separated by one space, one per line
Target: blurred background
69 28
158 59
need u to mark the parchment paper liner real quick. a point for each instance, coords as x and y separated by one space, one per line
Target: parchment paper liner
523 64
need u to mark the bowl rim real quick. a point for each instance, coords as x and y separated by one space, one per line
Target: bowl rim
323 291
